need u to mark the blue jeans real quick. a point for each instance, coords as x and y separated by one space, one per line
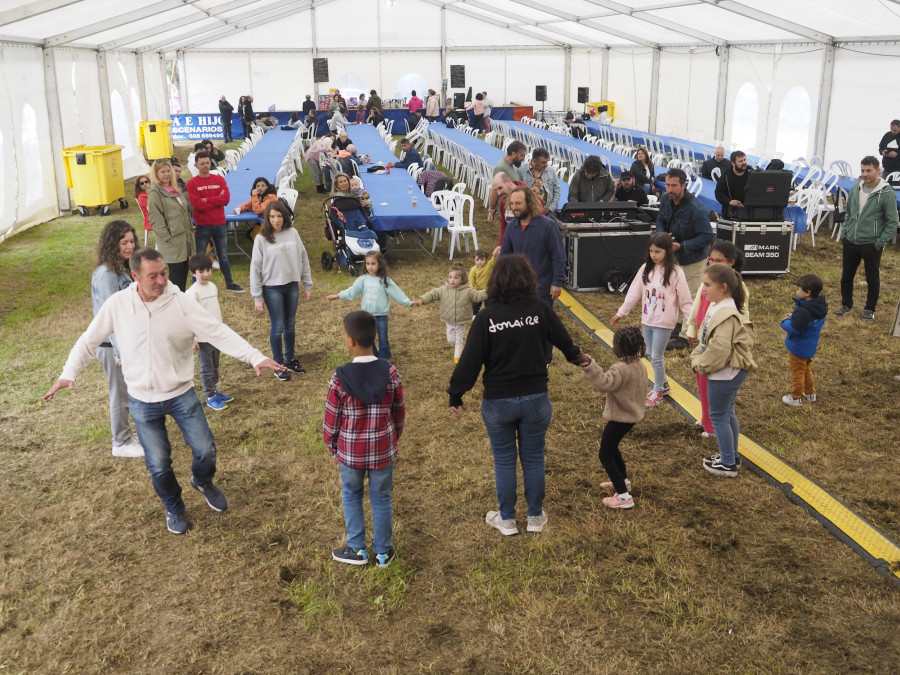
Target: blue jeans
219 236
722 394
656 340
150 421
381 482
383 348
524 419
281 301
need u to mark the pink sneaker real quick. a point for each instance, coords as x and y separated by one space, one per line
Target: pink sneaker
654 398
615 503
607 485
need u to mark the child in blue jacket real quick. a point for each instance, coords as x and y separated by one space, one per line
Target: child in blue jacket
803 328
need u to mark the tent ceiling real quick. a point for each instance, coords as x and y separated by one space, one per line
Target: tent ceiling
163 25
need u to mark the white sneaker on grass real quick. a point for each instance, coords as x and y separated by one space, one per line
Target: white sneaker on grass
506 527
536 523
132 449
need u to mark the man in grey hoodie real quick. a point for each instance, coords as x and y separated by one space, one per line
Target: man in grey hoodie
870 222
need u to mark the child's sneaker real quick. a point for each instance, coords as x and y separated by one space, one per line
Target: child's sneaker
654 398
350 556
810 397
707 434
616 502
787 399
607 485
666 388
294 366
216 403
225 398
384 559
506 527
715 458
718 468
536 523
282 375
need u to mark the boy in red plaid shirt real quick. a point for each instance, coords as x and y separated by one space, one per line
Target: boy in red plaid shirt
364 416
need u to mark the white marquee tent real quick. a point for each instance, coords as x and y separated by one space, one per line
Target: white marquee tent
801 77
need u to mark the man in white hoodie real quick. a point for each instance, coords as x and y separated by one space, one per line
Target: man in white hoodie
156 327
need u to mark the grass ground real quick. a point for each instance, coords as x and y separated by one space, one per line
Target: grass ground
704 574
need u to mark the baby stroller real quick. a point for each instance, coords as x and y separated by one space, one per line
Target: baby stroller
346 227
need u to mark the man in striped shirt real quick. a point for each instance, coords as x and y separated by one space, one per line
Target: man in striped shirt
364 415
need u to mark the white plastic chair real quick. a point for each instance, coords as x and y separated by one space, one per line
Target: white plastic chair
289 195
716 174
459 226
695 185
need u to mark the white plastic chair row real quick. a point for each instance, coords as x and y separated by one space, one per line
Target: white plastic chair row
454 206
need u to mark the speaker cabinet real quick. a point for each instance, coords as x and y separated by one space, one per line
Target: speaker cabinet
583 94
540 92
605 259
459 100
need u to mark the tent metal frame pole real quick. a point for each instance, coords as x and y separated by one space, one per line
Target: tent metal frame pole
722 92
444 74
51 92
567 88
105 110
315 45
604 75
821 137
142 83
182 77
165 82
654 91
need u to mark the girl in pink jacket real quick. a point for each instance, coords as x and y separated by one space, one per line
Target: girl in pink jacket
662 290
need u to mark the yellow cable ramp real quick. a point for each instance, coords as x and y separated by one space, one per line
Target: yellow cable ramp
865 539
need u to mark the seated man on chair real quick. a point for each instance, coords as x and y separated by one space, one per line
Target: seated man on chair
411 157
627 191
732 185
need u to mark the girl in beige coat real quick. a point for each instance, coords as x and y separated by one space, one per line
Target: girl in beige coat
456 298
625 388
170 217
724 356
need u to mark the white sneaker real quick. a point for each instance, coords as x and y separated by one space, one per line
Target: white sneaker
216 265
506 527
536 523
132 449
787 399
810 397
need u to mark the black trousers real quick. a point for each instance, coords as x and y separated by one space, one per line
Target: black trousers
611 457
226 130
178 274
871 259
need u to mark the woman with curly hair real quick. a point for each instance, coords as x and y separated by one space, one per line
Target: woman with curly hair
117 243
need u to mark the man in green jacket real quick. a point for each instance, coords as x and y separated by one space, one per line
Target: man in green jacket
869 224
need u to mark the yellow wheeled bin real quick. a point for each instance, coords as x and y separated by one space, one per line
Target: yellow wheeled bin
155 138
610 107
95 173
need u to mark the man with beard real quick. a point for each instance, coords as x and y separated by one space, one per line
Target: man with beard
732 185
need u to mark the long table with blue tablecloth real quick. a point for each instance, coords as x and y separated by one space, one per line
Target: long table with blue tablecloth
263 160
576 144
486 151
701 150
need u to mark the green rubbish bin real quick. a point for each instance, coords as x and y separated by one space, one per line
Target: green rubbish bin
156 140
95 173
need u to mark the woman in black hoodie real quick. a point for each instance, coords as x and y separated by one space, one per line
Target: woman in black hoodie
509 338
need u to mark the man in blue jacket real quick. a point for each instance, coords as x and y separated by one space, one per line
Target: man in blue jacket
411 157
687 220
537 238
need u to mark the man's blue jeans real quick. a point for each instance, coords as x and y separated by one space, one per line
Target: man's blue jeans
281 301
150 421
381 482
523 418
219 236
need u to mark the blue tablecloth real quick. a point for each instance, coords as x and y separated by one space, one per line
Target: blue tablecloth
577 144
390 192
486 151
847 183
264 159
701 150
